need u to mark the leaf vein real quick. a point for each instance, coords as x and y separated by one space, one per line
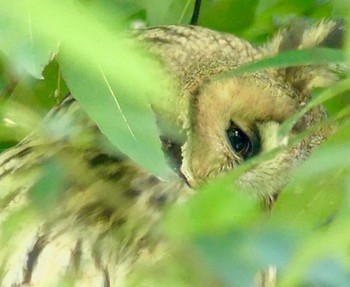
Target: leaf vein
117 103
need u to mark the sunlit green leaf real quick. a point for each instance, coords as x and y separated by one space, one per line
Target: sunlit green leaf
21 42
216 207
315 56
16 121
319 184
101 69
335 90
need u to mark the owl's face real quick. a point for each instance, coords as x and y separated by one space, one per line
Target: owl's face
233 120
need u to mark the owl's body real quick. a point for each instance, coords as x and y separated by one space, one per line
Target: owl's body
99 225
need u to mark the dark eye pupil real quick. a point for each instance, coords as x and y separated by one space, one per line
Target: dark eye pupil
239 141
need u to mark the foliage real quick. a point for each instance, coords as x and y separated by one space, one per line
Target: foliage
52 47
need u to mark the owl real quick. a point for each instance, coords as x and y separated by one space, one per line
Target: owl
100 227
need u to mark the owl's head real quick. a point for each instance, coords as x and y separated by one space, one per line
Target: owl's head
227 121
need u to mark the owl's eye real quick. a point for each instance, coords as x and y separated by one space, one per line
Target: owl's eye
239 141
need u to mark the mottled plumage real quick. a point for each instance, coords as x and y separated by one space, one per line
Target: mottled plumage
99 227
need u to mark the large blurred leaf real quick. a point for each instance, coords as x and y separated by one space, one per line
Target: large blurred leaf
318 185
14 127
326 248
317 199
47 189
217 206
327 272
100 68
238 255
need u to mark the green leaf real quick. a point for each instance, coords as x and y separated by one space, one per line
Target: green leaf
228 15
239 254
217 206
315 56
318 185
47 189
328 94
112 79
13 127
328 245
21 42
327 272
41 94
168 11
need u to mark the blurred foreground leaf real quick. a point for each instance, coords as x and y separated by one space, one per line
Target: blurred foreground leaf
238 255
318 185
46 190
16 121
316 200
112 79
216 207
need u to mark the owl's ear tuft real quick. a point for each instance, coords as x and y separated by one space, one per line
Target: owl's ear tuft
300 35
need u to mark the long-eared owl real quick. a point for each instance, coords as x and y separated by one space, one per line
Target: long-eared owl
100 226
